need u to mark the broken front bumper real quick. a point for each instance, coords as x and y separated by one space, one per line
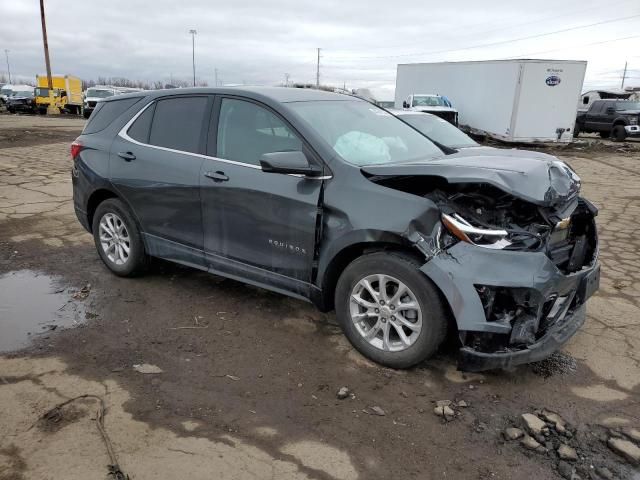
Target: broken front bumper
552 305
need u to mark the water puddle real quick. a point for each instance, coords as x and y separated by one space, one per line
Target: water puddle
32 306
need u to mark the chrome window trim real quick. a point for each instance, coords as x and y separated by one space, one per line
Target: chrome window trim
123 134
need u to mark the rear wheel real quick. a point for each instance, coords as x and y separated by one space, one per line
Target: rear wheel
118 240
619 133
389 310
576 130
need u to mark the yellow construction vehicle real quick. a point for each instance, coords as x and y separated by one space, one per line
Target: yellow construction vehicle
66 94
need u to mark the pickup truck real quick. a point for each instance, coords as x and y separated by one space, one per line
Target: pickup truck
617 119
434 104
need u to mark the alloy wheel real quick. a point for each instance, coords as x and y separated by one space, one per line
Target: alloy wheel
385 312
114 239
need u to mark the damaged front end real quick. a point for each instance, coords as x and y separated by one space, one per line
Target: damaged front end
515 271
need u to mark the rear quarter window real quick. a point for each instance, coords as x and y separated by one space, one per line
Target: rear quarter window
106 112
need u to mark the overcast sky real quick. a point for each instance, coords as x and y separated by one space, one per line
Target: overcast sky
362 41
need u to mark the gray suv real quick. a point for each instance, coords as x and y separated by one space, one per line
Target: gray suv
330 199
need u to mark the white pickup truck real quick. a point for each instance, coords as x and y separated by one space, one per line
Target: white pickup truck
93 95
434 104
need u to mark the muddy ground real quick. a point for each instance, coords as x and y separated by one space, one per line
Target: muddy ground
247 379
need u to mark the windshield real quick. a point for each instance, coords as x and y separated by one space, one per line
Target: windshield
22 93
628 106
42 92
6 91
439 130
98 93
363 134
427 101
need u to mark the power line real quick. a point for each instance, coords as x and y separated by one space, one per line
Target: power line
433 52
571 12
576 46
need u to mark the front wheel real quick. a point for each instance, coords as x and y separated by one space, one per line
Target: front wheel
389 310
118 240
619 134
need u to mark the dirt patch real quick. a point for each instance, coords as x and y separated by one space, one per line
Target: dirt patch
12 465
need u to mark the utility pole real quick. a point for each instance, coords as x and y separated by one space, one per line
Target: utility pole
318 70
286 79
624 75
215 72
52 109
193 53
6 52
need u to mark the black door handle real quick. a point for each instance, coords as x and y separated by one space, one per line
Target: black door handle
217 176
127 156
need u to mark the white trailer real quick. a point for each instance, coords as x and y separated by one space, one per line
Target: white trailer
510 100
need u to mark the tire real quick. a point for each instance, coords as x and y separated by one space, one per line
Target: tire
421 291
576 130
86 114
619 134
116 214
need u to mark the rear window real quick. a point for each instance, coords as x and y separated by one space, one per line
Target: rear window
106 112
177 123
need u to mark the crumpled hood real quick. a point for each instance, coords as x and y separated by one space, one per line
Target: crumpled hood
540 179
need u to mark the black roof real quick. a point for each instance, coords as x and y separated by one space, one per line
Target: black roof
277 94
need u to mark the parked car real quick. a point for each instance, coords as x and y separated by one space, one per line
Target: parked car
453 140
617 119
435 104
330 199
22 102
7 90
93 95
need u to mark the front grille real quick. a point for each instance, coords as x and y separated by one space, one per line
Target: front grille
92 104
575 248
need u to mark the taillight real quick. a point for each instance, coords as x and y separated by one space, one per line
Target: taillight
76 147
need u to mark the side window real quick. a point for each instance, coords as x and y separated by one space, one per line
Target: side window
246 131
585 100
177 123
140 129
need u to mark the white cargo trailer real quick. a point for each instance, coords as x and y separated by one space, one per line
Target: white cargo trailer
510 100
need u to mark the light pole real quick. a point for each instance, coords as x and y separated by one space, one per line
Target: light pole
193 53
6 52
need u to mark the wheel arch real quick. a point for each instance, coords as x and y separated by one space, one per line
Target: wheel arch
620 121
95 199
329 275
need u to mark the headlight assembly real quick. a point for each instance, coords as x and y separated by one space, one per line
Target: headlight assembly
482 237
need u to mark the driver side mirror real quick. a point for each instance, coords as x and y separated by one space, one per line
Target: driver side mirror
611 110
289 163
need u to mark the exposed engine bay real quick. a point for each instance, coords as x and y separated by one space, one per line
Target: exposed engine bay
486 216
